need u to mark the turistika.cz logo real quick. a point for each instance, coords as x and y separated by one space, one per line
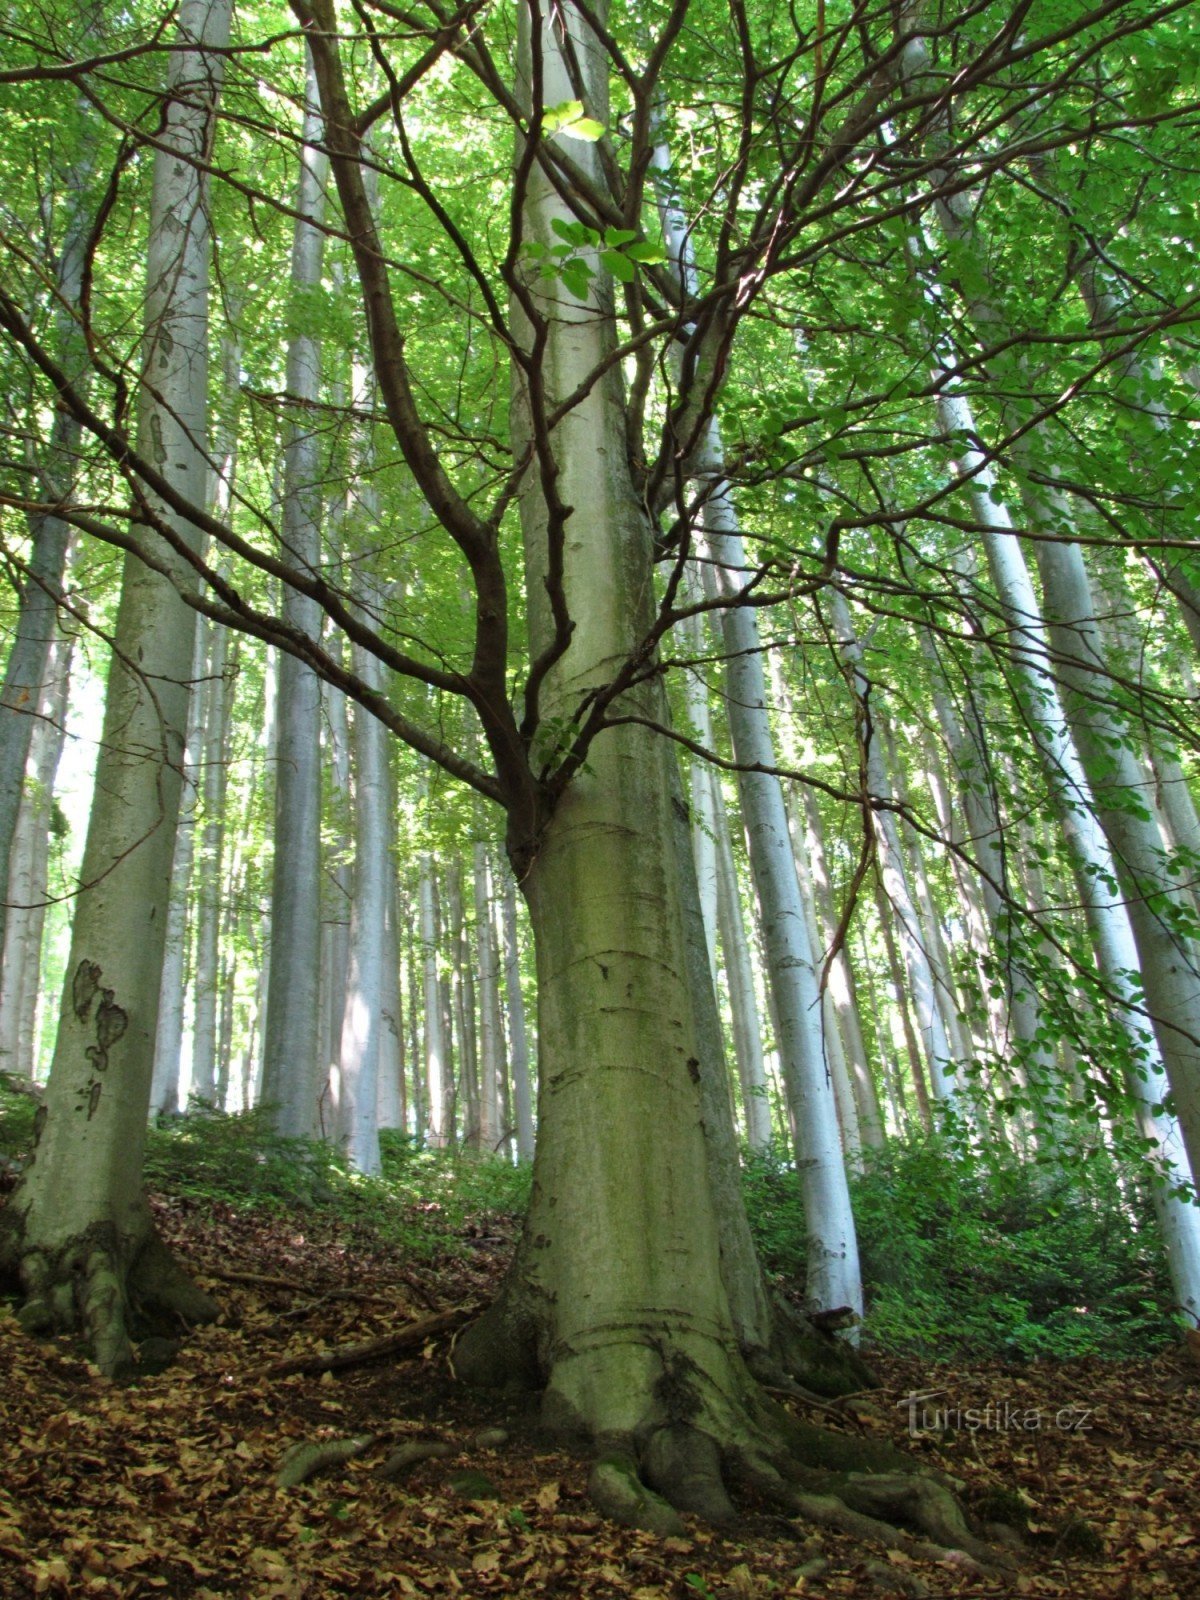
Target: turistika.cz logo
996 1416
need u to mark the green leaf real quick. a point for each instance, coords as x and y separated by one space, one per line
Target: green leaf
575 233
576 275
650 255
615 237
585 128
569 120
620 266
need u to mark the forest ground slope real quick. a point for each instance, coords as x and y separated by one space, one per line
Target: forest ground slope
168 1486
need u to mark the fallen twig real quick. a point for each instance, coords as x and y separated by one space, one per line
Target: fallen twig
357 1355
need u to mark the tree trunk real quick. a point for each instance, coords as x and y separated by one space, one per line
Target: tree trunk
210 857
518 1043
29 870
435 1044
39 595
362 1016
616 1301
293 1071
939 1052
172 1006
739 974
490 1027
77 1231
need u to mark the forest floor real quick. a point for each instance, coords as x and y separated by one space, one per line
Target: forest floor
167 1486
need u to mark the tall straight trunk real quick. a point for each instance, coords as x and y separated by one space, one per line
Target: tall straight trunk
618 1281
1018 1010
362 1015
739 975
841 977
435 1096
78 1231
908 1033
702 778
927 1002
460 1009
337 887
490 1028
28 874
218 678
292 1069
209 862
833 1278
833 1273
173 989
42 590
392 1100
1033 671
1157 909
518 1042
858 1106
415 1041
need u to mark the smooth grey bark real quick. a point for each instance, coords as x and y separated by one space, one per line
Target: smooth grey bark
77 1231
362 1015
216 689
490 1028
436 1100
392 1100
841 976
293 1071
40 594
28 876
1111 917
518 1041
459 1009
914 943
209 866
739 976
833 1273
173 989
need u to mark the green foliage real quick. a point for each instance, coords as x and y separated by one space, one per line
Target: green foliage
994 1257
422 1201
17 1112
1000 1256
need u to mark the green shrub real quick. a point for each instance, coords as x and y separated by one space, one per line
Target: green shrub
17 1111
1007 1257
991 1256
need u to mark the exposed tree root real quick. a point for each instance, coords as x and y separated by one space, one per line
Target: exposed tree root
116 1288
708 1426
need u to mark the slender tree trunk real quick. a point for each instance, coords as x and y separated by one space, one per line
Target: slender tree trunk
1110 923
78 1230
490 1033
210 857
42 590
362 1015
518 1040
292 1068
939 1052
435 1044
739 973
841 979
172 1005
28 878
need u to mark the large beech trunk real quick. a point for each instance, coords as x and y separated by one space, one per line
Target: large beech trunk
77 1232
634 1301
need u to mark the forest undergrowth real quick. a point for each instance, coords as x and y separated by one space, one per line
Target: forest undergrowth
1021 1337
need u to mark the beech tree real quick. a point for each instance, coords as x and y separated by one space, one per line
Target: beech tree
549 389
78 1232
